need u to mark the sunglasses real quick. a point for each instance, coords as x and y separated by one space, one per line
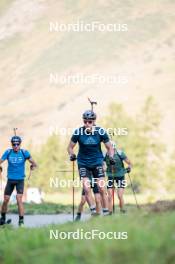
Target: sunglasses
15 144
88 121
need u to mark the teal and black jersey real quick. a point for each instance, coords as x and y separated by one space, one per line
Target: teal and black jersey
117 170
90 153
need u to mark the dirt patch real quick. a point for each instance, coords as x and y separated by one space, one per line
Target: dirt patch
20 17
161 206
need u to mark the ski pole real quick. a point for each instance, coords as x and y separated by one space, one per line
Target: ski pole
28 183
1 183
30 174
73 189
113 191
133 191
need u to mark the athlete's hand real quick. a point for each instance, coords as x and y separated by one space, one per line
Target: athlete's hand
112 161
32 167
128 169
73 157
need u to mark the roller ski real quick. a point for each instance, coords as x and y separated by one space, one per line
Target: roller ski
4 222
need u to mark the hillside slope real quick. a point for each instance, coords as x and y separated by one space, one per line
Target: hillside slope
29 53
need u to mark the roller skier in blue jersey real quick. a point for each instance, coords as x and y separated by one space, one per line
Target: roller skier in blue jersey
16 158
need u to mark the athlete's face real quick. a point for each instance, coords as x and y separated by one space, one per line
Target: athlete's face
16 146
89 124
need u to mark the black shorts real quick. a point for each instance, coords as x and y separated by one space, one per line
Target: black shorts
11 184
118 182
95 172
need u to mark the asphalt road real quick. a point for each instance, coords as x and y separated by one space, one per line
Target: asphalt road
32 221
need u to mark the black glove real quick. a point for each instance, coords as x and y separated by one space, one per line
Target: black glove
73 157
111 161
128 170
32 167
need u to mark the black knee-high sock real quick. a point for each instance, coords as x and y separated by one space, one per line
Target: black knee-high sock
3 215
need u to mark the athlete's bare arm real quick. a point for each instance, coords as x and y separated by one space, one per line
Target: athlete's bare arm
110 149
70 148
104 166
1 161
33 163
127 161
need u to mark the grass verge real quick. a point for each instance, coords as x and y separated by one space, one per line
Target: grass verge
151 239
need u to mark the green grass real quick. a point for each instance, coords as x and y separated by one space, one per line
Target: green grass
59 208
52 208
45 208
151 239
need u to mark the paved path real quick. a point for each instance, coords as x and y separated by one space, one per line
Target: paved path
43 220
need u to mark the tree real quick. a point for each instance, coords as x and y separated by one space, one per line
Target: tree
51 157
141 144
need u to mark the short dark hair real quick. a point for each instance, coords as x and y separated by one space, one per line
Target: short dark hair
1 169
